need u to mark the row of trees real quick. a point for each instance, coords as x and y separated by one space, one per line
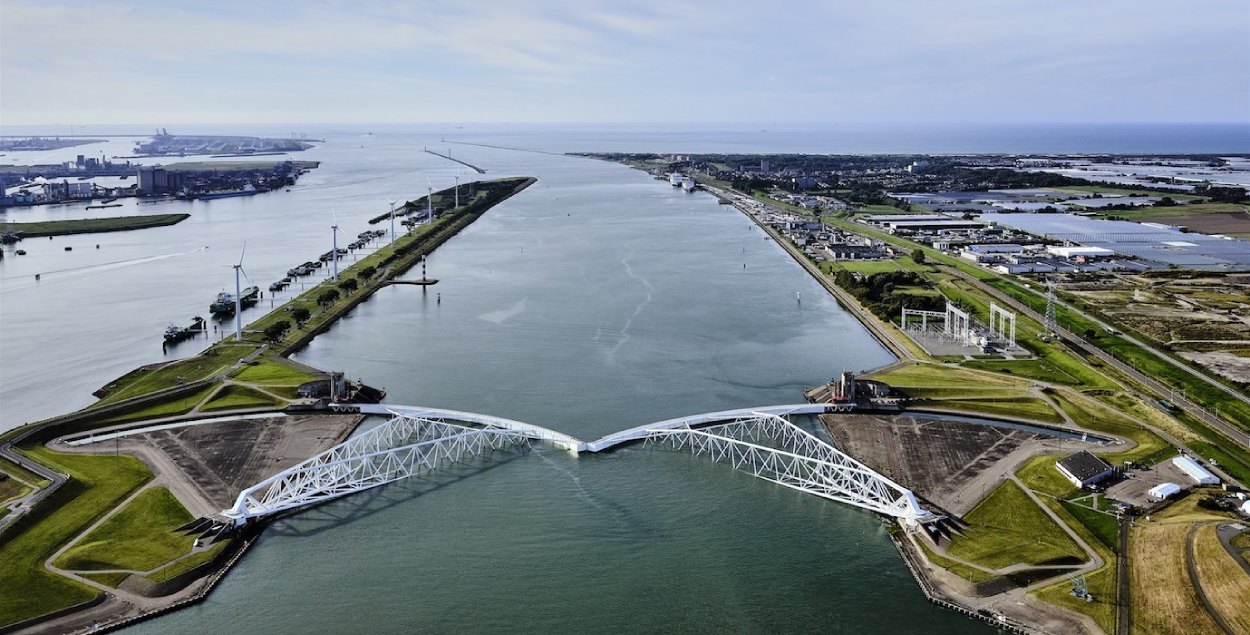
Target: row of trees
885 294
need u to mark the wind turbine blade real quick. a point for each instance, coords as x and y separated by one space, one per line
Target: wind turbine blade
244 251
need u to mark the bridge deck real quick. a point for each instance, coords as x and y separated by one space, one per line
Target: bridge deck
641 432
419 438
538 432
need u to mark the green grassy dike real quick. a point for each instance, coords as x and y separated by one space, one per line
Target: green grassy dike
97 484
139 536
94 225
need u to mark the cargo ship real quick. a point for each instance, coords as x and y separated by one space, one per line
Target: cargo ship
224 304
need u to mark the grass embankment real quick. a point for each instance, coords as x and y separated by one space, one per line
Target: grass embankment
1163 600
945 387
231 397
149 379
1104 526
10 489
95 225
270 372
165 408
185 564
964 571
97 484
1007 528
22 474
1226 584
138 537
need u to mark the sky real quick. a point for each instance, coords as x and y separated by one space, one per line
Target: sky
832 61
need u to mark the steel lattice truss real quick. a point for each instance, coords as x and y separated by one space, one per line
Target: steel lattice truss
400 448
776 450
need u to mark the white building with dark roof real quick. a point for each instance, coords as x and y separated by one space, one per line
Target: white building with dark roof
1084 469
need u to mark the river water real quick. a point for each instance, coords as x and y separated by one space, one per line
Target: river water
596 300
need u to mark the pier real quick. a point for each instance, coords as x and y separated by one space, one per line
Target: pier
449 158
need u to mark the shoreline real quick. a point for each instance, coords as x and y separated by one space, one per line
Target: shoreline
96 225
401 261
844 299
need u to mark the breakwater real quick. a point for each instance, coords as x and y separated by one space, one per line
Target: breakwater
450 158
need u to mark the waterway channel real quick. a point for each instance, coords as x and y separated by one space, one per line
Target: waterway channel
597 300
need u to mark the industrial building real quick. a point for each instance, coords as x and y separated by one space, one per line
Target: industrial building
1084 469
1164 490
1153 244
1191 469
1079 252
897 223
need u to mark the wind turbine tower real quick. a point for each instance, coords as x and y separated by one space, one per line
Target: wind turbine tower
334 254
457 190
238 297
429 201
392 225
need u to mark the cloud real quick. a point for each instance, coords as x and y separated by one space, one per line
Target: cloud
599 59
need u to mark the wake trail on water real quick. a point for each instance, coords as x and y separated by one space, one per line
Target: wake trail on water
582 492
96 268
629 271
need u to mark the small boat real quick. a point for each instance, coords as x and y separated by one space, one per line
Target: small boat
224 304
174 333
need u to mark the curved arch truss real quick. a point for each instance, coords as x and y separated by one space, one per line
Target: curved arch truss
760 441
403 446
772 448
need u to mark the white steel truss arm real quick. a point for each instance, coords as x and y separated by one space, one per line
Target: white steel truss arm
801 461
397 449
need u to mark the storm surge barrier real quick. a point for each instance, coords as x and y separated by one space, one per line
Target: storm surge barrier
414 440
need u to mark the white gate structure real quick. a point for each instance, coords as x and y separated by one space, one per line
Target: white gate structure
403 446
770 447
415 440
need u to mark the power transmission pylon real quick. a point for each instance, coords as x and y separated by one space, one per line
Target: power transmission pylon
1052 324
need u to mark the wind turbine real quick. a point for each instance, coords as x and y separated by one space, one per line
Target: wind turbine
392 225
334 254
429 200
238 297
457 190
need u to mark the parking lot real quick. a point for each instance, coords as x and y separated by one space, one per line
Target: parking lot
1134 485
